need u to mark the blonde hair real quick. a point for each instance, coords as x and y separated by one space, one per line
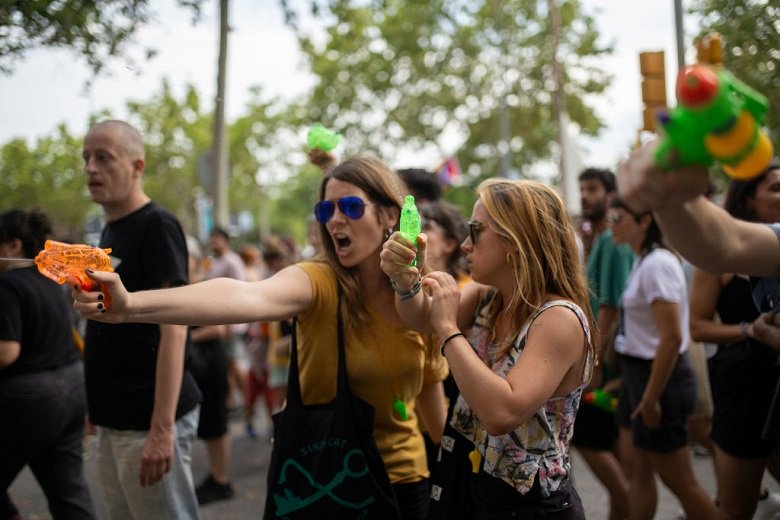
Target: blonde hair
385 189
542 250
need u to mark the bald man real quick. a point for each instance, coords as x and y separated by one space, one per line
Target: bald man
140 396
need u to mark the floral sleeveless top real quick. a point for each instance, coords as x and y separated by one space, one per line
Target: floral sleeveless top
541 445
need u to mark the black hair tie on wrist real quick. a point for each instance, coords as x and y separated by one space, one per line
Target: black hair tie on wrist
450 337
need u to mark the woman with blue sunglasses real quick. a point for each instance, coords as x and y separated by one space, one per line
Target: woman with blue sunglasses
389 366
518 344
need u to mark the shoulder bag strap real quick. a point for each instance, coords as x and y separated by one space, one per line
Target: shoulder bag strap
293 379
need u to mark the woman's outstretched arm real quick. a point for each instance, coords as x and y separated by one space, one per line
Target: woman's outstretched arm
213 302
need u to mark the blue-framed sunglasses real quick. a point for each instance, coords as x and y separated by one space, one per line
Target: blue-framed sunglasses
352 207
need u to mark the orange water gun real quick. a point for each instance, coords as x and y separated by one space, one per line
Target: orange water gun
69 262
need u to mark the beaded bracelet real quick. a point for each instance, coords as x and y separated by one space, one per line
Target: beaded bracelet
743 329
450 337
411 293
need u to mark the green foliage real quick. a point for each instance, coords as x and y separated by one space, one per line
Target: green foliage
398 73
176 133
392 74
97 30
47 176
293 202
265 159
751 46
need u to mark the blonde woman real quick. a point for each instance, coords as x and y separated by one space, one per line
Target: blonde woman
389 366
529 351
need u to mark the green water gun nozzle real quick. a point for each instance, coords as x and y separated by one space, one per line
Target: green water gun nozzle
410 224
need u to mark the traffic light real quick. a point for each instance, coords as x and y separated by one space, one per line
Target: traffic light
709 50
651 65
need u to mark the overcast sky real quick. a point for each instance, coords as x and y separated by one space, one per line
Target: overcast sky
47 88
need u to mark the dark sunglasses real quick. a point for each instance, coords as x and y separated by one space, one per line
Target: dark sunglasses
475 228
615 217
352 207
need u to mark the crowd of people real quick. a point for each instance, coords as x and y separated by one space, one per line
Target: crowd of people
479 346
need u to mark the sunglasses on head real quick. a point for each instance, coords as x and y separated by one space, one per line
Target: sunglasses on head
475 228
352 207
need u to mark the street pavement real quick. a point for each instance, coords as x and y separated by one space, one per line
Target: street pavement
250 462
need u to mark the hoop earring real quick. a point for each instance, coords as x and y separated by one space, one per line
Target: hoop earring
388 232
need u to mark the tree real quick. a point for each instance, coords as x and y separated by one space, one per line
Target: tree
751 45
265 151
97 30
403 72
47 176
177 132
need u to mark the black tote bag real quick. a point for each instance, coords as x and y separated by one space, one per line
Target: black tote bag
451 474
324 461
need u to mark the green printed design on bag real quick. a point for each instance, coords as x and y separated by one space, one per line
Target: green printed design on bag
289 502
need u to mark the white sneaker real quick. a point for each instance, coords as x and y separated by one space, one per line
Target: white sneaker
768 506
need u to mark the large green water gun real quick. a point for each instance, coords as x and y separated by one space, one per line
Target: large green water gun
718 119
410 224
323 139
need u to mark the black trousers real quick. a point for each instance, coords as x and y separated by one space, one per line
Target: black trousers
43 427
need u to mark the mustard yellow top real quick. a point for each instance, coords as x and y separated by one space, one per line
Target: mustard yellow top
383 363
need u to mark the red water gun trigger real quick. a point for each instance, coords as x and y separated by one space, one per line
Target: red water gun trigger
85 283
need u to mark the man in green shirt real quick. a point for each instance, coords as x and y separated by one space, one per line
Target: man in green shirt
608 267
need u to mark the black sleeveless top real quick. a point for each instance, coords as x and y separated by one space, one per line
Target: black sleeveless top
735 302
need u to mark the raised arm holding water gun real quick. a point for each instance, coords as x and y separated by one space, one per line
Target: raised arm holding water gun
320 142
718 119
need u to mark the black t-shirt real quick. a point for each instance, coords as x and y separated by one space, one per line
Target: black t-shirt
120 361
35 312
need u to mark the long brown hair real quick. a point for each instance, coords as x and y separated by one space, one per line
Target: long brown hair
543 253
385 189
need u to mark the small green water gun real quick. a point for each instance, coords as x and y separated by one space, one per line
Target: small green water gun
601 399
323 139
410 224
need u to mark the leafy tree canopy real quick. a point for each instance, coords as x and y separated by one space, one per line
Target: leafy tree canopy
398 73
268 172
95 29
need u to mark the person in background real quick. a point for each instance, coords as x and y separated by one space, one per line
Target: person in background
658 387
528 354
744 371
359 206
225 263
313 246
707 236
424 185
254 269
141 396
700 230
608 267
277 255
445 229
256 343
42 397
208 364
